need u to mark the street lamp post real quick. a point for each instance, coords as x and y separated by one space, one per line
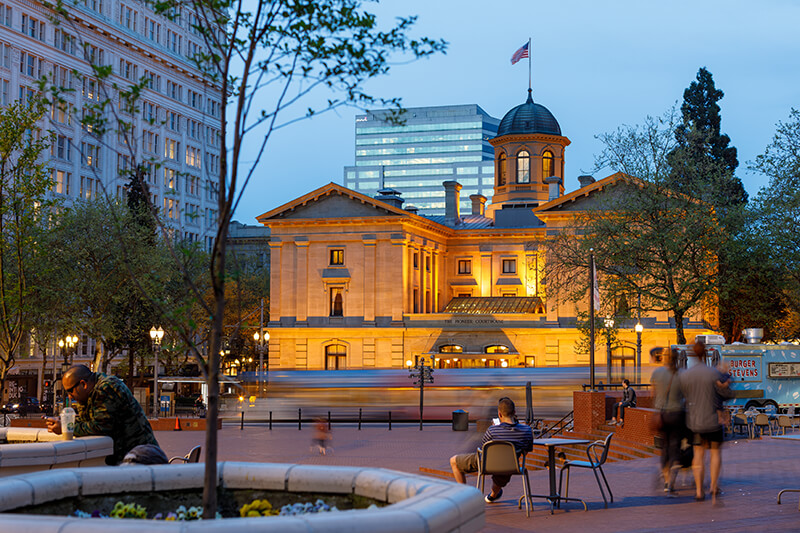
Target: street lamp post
66 344
609 323
639 328
261 343
422 374
155 336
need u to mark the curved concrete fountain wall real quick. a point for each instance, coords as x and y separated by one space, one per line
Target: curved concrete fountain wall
416 504
33 449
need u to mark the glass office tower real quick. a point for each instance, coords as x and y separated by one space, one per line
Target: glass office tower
429 146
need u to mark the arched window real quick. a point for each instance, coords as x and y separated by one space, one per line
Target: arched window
496 348
523 167
335 355
450 348
501 170
547 164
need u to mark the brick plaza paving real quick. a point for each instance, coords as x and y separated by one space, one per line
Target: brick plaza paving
753 473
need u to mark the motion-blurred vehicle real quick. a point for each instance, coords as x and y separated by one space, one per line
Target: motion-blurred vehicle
23 406
376 392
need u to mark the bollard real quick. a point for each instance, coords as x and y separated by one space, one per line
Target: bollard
241 426
299 419
329 420
359 419
270 420
390 420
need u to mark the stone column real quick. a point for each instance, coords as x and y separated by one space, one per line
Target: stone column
301 278
369 278
275 248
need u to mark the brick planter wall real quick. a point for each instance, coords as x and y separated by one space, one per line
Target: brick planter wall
637 426
589 410
187 424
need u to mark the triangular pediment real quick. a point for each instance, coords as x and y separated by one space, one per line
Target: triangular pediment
332 201
591 197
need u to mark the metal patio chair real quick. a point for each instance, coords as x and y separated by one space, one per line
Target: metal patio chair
762 421
192 457
597 452
500 458
784 421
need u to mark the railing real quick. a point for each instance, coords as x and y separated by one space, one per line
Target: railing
614 386
565 423
360 419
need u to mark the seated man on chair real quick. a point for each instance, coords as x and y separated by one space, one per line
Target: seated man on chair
509 430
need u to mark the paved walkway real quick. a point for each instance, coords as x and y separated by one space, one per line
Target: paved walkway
753 472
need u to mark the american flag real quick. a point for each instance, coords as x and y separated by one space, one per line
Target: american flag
522 53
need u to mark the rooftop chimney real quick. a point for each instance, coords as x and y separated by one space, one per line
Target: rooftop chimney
451 201
412 209
553 190
478 204
585 180
391 197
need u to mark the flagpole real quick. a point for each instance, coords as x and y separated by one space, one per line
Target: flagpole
591 319
530 52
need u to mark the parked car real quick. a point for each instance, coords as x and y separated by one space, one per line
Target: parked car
23 406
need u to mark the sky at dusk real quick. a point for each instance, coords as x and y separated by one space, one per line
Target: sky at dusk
596 66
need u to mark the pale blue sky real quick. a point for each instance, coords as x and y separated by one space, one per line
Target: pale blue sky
596 66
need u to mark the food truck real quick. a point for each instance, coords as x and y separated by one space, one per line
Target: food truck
762 375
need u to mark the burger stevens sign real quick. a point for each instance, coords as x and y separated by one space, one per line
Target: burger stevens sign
745 368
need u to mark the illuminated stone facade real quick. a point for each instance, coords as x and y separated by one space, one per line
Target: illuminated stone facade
359 282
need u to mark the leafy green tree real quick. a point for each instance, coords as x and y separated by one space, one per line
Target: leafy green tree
776 211
702 162
267 59
648 240
25 180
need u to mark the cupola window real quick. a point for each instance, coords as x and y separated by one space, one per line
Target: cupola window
501 170
547 164
523 167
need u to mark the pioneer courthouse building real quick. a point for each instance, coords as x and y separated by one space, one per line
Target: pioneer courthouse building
361 282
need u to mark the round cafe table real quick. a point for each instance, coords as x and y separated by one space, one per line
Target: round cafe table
551 444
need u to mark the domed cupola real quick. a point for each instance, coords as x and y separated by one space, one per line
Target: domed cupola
529 157
529 117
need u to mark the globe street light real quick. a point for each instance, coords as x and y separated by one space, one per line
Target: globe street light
66 344
261 343
639 328
609 323
155 336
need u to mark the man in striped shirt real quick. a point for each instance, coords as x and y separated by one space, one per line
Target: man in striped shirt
510 430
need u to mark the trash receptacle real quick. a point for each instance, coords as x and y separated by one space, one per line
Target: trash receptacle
460 420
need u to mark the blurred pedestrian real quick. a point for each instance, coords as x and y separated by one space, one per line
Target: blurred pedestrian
666 381
699 387
628 400
322 436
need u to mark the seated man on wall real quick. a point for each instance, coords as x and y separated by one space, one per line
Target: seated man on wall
105 406
510 430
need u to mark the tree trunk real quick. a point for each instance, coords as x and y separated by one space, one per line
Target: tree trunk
680 336
212 412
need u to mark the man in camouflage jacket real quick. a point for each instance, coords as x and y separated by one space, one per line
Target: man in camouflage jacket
105 406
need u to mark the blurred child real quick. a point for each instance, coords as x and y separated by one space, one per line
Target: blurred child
322 436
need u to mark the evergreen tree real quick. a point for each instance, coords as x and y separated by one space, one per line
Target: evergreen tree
703 164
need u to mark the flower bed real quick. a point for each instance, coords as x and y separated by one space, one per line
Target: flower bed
408 503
